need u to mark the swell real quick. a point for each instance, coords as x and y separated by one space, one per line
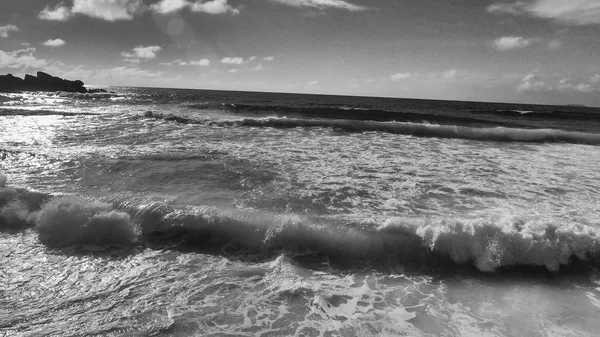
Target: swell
542 114
488 244
40 112
349 113
404 128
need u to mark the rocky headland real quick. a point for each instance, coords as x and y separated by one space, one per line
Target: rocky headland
41 82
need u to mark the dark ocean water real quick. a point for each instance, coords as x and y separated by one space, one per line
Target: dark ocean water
193 213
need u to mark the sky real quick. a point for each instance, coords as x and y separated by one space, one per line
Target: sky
526 51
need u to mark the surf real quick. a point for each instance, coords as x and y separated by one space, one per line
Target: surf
487 243
501 134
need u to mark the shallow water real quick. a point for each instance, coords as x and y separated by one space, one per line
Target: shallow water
298 216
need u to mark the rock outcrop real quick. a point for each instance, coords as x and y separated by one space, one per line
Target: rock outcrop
41 82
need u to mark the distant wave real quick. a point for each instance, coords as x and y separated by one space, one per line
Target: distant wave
542 114
346 112
62 94
523 112
488 244
94 95
40 112
404 128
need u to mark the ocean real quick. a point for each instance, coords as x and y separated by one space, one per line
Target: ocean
170 212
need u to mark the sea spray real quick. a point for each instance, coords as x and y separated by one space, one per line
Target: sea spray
73 220
18 207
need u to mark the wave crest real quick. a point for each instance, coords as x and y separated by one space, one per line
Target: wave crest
404 128
73 220
488 243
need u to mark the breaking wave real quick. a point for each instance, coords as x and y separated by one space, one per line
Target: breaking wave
350 113
40 112
488 244
404 128
542 114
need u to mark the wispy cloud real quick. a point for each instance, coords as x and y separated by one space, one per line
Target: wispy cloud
233 70
169 6
259 67
400 76
214 7
450 74
141 52
534 82
511 42
204 6
4 30
179 62
232 60
54 43
109 10
571 12
269 58
554 44
202 63
133 72
22 58
515 8
59 13
322 4
313 82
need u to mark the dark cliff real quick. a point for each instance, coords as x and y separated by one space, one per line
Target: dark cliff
41 82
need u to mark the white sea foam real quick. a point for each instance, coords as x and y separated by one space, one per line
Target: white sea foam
73 220
488 243
404 128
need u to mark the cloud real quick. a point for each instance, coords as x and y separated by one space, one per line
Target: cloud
179 62
133 72
58 13
259 67
141 52
233 70
313 82
450 74
534 82
252 58
54 43
554 44
268 58
22 58
571 12
113 10
205 6
511 42
400 76
109 10
322 4
232 60
8 28
202 63
515 8
214 7
531 82
169 6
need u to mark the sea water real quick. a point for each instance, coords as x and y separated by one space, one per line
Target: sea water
170 212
